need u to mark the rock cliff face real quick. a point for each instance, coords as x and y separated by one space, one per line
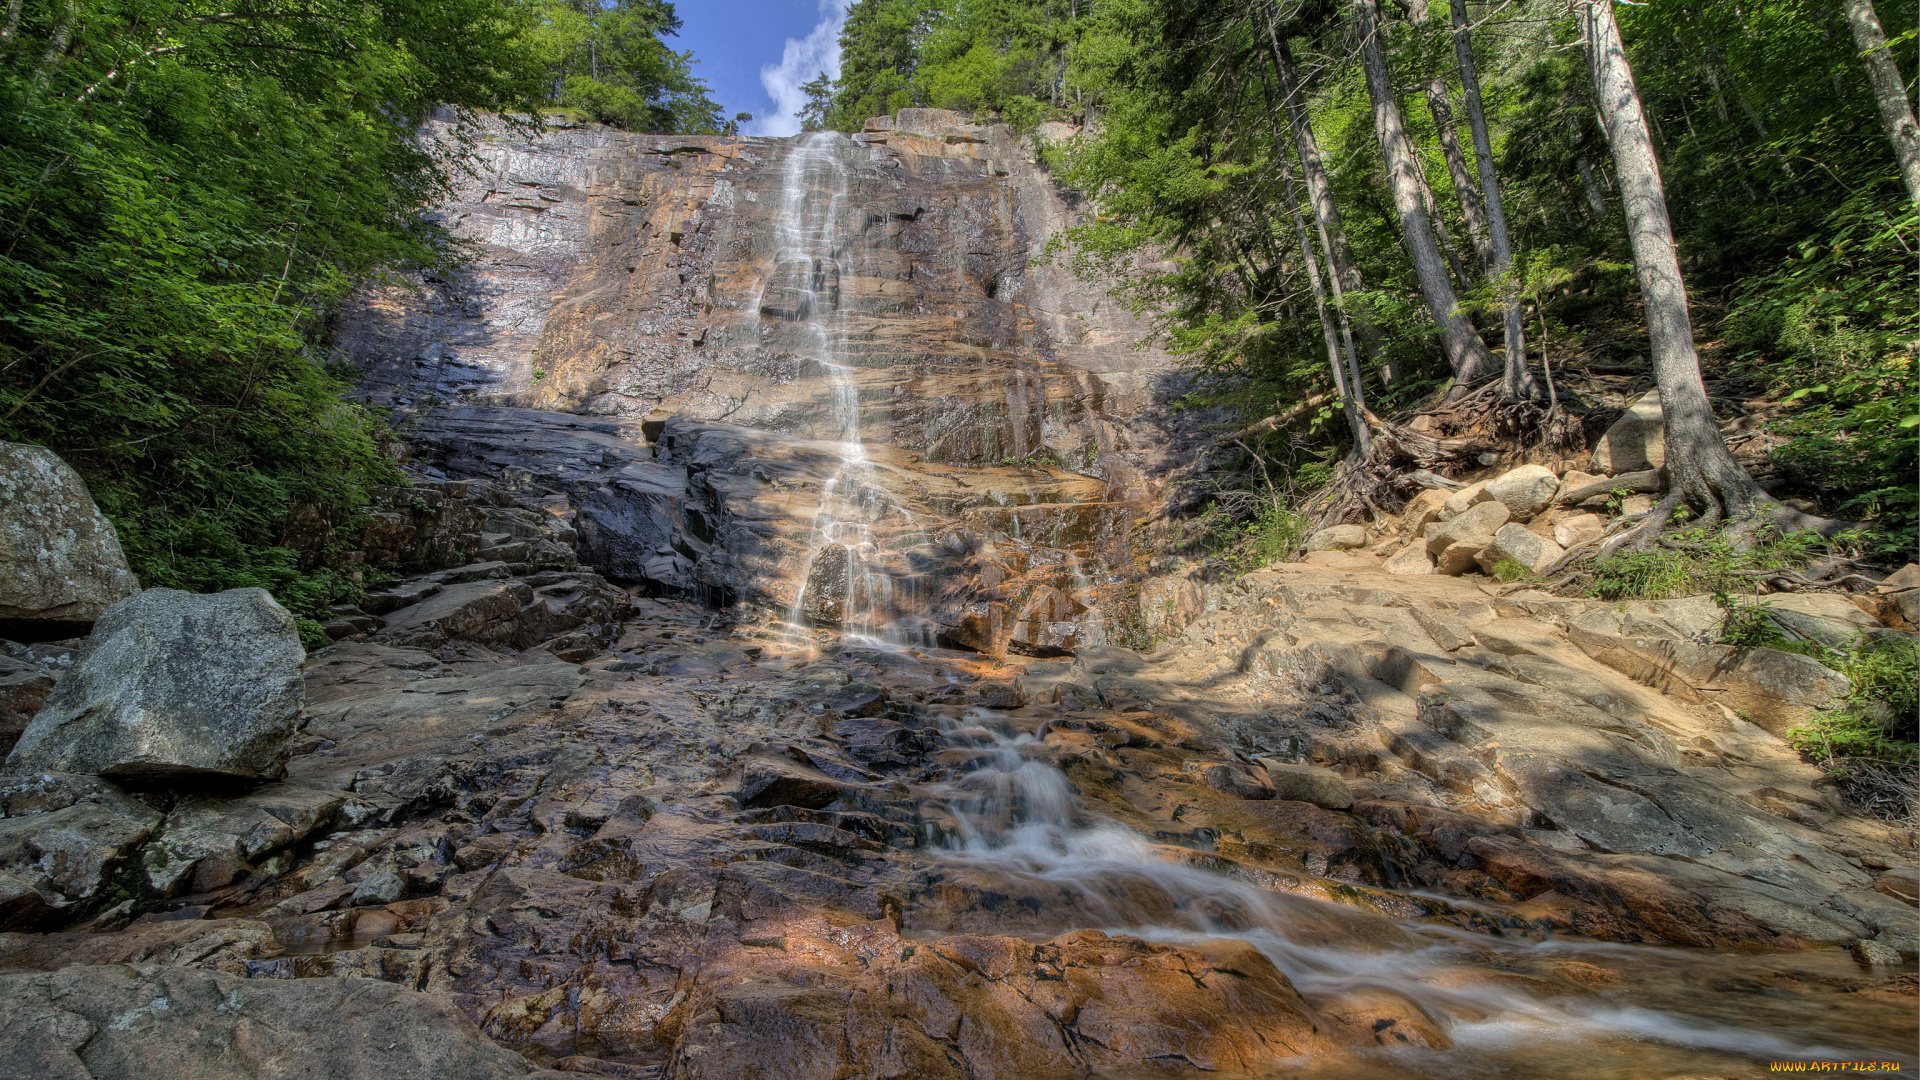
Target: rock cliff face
887 291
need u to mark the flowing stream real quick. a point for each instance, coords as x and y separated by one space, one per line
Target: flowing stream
849 578
1504 1004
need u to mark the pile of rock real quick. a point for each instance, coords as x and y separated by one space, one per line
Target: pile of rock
1522 520
144 760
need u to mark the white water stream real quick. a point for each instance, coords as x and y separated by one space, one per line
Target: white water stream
1669 1014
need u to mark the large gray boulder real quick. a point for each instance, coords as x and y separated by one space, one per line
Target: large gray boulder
1513 543
113 1022
174 685
60 560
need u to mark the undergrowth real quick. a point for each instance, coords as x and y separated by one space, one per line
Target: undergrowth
1877 721
1699 561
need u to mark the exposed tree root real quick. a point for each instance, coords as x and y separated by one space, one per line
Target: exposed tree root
1638 483
1725 498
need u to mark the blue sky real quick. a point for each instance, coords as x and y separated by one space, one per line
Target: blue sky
756 53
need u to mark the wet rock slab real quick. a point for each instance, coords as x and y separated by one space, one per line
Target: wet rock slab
112 1022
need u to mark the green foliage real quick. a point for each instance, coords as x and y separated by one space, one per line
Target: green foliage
1878 719
312 635
1887 670
606 60
185 191
1007 58
1272 536
1833 328
1748 626
1696 561
1508 569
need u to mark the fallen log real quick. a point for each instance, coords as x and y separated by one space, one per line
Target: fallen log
1277 419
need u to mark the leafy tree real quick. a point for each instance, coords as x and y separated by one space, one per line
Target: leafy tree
608 59
185 190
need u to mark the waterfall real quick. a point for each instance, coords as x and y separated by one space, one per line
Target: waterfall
849 576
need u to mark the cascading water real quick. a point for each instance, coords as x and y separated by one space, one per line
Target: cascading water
849 578
1014 816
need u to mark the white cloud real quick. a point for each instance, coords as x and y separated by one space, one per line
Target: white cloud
801 62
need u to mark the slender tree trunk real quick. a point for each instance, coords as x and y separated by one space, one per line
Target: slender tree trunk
1344 272
1596 199
1517 380
1449 248
1351 400
1701 472
1472 209
57 43
1465 351
1889 91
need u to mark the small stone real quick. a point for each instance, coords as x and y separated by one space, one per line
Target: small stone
1338 538
379 890
1526 491
1901 883
1460 558
1410 561
1875 953
1423 508
1515 543
1457 503
1636 442
1573 480
999 695
1308 784
1636 504
1237 781
1578 529
1475 525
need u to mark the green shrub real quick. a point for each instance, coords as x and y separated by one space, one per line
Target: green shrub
1510 570
1878 719
1701 562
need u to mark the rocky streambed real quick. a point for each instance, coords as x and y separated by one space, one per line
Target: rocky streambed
751 710
1344 825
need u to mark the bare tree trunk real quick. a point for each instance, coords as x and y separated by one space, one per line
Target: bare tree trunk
1444 235
1466 353
57 43
1518 379
1472 209
1344 272
1351 400
1889 91
1701 472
